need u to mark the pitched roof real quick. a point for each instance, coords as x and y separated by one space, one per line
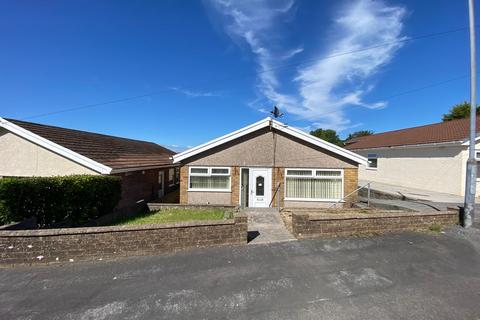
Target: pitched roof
269 122
102 153
449 131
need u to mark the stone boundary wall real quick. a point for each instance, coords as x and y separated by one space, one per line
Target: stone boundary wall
158 206
304 224
82 244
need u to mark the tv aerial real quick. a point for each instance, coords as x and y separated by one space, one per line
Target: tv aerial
276 112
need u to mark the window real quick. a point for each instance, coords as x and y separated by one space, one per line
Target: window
259 187
177 175
171 177
209 179
477 157
372 161
313 184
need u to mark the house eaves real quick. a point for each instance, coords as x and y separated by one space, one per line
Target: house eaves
54 147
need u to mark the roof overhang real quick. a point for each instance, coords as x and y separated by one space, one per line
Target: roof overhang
56 148
269 122
130 169
416 146
467 142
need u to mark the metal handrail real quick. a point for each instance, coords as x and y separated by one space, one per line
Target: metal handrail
273 197
359 188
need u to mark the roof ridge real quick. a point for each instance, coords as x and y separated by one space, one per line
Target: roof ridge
416 127
83 131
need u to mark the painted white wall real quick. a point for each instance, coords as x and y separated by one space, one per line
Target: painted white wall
439 168
22 158
464 170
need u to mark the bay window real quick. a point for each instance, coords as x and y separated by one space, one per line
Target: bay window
209 179
314 184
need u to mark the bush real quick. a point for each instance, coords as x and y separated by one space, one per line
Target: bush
76 199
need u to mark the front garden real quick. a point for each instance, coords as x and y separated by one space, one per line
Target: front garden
177 215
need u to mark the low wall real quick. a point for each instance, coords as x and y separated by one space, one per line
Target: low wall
81 244
348 222
158 206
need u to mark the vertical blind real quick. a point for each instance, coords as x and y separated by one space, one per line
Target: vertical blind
210 178
314 184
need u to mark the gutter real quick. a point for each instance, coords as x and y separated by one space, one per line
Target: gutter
143 168
412 146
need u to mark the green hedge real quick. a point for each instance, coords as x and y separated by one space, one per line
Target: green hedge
76 199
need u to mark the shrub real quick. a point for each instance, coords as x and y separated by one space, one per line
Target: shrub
76 199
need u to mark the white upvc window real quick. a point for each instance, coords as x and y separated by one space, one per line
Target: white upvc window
209 179
313 184
372 161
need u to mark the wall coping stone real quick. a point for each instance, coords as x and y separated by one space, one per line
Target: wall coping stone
156 205
355 214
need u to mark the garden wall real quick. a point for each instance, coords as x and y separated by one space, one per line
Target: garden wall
348 222
81 244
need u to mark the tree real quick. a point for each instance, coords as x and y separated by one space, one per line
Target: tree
328 135
459 111
361 133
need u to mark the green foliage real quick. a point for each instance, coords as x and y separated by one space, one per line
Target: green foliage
51 200
435 227
177 215
328 135
459 111
361 133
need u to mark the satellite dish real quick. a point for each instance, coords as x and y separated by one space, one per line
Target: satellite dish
276 112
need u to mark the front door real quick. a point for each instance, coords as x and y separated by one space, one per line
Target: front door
260 186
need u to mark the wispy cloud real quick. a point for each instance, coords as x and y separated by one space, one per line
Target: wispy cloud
323 88
195 94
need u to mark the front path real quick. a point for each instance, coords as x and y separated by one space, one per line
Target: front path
266 226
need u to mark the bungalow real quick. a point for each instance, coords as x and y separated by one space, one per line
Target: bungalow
31 149
268 164
430 157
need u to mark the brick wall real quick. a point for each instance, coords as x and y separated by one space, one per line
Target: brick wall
183 184
350 184
356 222
235 185
278 177
81 244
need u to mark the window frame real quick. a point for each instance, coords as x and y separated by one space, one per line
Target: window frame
314 176
209 174
171 171
371 156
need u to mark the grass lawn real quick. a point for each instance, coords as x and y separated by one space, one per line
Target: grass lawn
176 215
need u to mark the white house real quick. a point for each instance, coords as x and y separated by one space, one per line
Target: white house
431 157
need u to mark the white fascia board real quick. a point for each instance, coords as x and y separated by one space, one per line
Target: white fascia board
277 125
319 142
56 148
221 140
467 142
418 146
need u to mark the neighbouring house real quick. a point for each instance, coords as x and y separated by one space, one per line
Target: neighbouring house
431 157
268 164
31 149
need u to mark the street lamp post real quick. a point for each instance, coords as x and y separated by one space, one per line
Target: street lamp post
471 177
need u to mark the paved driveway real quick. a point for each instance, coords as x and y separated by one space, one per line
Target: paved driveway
407 276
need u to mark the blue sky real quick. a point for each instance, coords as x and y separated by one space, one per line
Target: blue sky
215 66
